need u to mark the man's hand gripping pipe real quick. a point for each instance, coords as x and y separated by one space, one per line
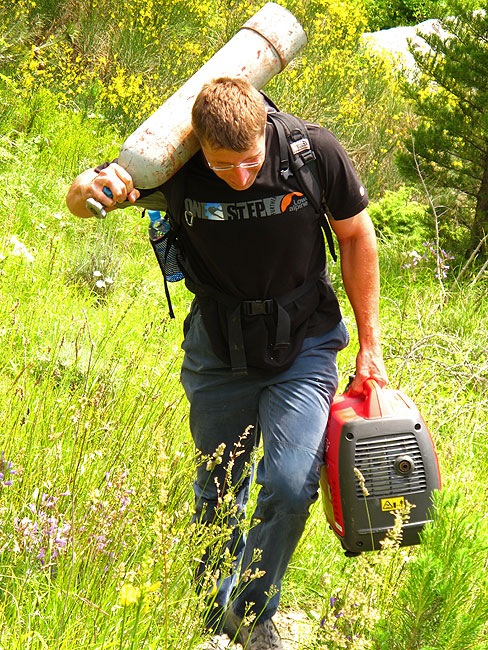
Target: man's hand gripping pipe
97 208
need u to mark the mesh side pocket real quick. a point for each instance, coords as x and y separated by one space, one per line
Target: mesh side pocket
166 255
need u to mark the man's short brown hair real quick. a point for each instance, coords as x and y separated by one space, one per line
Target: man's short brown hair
228 114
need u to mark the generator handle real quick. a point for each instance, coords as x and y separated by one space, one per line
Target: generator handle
377 405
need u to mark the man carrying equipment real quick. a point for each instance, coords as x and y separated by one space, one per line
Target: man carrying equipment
263 332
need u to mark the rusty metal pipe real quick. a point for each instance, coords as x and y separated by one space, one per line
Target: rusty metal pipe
264 45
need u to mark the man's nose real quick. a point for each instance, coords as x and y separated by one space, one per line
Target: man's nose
240 175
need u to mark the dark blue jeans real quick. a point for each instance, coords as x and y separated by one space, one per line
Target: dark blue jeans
289 411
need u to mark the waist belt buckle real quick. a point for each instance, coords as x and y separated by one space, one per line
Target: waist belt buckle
257 307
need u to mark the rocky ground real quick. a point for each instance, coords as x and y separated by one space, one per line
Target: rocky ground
395 41
297 629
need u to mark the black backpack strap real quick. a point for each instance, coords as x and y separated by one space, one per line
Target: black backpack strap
298 158
175 199
270 105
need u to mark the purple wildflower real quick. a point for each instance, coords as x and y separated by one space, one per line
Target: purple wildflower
46 535
108 511
431 254
6 471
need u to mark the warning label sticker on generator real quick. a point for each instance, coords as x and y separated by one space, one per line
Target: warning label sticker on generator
393 503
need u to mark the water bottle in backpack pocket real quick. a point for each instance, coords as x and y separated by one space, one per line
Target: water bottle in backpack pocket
162 241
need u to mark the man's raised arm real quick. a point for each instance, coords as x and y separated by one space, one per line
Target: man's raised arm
90 184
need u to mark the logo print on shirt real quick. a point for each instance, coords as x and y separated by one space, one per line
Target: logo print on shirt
213 211
287 199
292 202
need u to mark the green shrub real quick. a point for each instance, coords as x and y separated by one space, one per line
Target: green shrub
383 14
398 215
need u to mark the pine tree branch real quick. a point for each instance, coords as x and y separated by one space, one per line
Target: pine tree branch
457 156
454 127
448 168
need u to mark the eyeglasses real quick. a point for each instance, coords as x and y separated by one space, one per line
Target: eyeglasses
243 165
252 164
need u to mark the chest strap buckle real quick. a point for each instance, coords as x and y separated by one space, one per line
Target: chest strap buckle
257 307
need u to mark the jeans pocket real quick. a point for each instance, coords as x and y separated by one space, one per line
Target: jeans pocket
343 335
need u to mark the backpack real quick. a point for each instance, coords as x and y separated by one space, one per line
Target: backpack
302 163
297 158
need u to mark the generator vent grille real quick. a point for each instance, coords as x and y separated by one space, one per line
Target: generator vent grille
375 459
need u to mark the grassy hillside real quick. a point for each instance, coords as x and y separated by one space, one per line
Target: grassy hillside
97 549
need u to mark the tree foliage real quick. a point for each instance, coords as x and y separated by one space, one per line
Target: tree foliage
383 14
450 94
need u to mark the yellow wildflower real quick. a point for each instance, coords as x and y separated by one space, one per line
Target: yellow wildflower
129 595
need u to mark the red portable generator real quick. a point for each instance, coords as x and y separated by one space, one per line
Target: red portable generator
383 435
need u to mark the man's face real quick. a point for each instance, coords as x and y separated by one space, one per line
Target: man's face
237 169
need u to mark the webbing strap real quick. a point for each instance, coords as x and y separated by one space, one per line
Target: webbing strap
235 308
283 328
304 165
236 342
285 170
237 350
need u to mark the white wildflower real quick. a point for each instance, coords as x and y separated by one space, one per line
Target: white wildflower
20 249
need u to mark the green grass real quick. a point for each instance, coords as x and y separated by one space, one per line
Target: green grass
95 424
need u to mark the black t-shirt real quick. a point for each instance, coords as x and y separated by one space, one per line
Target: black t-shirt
266 241
262 242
